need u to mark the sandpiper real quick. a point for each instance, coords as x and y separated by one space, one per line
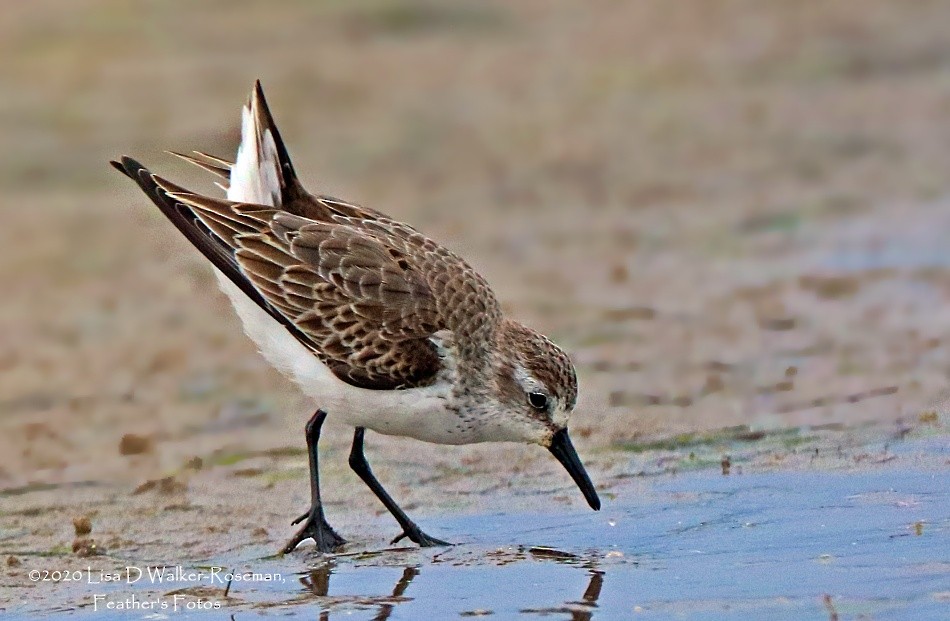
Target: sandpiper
379 325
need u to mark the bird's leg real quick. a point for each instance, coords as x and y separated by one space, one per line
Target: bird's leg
314 524
361 467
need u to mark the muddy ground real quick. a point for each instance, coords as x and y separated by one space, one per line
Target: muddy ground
732 214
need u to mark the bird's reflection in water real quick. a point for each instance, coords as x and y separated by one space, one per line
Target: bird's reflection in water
589 598
387 609
317 581
582 610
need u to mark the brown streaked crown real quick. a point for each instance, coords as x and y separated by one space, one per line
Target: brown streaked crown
545 361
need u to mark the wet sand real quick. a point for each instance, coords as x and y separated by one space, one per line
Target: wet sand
854 532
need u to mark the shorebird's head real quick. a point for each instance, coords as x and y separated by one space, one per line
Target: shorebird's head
537 389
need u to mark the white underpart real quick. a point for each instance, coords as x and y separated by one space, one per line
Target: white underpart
417 412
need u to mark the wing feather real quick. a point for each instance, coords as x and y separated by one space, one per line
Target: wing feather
213 165
367 315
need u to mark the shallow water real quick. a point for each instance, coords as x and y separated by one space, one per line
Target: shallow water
784 545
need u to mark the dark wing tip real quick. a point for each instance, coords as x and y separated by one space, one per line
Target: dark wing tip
118 167
127 165
143 177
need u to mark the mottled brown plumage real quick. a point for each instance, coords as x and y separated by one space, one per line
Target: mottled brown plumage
367 291
375 321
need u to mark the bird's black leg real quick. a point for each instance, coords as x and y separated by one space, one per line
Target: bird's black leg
314 524
361 467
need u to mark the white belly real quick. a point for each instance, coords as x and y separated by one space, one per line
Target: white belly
418 413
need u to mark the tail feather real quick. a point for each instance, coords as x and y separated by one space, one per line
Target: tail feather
213 165
214 159
262 172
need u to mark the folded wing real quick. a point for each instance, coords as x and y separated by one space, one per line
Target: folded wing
362 309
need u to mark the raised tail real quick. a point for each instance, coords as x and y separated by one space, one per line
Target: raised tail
262 172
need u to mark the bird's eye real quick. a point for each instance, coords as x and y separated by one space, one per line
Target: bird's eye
538 400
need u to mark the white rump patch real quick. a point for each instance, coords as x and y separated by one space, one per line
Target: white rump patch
255 176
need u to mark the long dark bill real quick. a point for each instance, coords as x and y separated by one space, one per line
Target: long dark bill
564 452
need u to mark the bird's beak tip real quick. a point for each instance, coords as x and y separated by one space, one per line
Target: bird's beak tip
563 450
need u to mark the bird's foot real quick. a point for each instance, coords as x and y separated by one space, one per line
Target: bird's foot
315 527
415 534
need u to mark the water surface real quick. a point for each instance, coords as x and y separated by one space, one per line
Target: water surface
782 545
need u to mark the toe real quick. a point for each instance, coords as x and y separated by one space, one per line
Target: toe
420 538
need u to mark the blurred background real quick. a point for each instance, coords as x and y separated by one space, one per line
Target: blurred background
730 213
